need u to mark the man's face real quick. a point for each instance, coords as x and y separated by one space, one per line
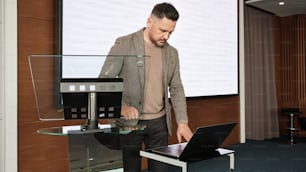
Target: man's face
159 30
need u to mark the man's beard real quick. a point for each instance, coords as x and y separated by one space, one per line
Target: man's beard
160 43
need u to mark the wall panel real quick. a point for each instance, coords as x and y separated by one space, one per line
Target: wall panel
36 35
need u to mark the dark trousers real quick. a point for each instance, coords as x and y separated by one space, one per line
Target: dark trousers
154 135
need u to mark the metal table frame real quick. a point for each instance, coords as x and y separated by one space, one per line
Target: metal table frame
176 162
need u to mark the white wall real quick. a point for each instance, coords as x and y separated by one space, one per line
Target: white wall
241 72
8 86
1 92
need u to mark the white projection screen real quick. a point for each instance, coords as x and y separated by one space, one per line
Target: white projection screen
206 36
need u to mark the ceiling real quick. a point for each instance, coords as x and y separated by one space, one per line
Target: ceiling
290 7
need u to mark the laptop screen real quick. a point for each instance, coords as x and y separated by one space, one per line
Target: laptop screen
206 140
202 145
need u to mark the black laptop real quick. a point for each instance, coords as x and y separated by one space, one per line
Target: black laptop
204 143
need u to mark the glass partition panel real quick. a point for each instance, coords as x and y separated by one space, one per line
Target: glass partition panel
46 75
95 152
91 150
55 75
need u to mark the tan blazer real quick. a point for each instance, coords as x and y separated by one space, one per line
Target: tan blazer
128 63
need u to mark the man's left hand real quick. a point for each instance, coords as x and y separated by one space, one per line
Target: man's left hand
184 131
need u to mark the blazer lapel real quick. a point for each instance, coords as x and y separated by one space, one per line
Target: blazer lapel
139 49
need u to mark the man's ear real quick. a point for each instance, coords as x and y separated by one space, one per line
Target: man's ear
149 22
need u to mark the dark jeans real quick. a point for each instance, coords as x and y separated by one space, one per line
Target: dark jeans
154 135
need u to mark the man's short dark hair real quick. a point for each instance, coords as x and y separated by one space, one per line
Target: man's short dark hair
165 10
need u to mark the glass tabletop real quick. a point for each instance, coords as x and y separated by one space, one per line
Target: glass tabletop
77 129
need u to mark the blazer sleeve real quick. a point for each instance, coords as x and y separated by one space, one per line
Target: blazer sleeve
177 94
113 62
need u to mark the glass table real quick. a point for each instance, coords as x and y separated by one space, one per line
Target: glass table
94 150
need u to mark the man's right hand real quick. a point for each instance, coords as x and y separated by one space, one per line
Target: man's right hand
129 112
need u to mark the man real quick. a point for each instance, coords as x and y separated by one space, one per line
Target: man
146 83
